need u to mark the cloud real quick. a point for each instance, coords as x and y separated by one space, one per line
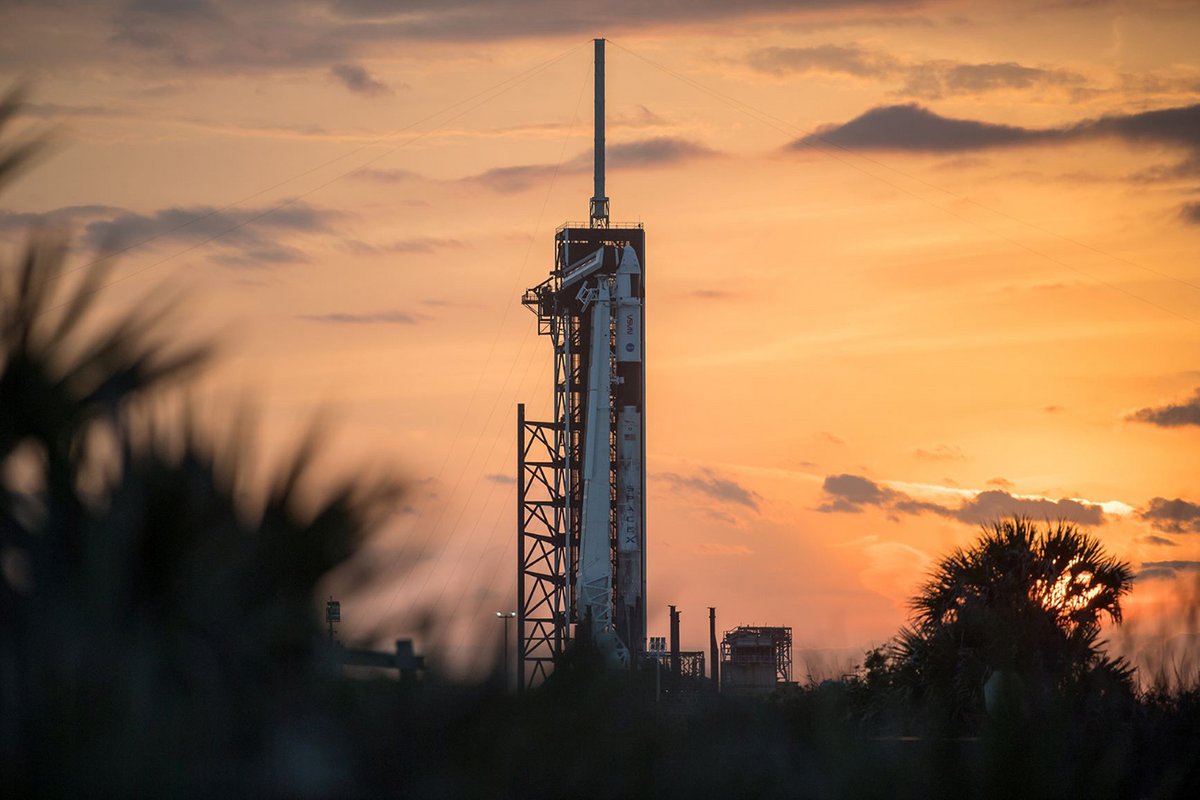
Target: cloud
417 244
914 128
66 216
1171 415
854 493
941 452
1173 516
645 153
60 110
934 80
654 152
223 37
717 549
724 490
994 503
1190 213
174 9
1165 570
1177 126
497 477
1001 483
850 493
508 180
848 60
241 234
928 80
712 294
471 20
393 317
386 175
917 129
356 78
1162 541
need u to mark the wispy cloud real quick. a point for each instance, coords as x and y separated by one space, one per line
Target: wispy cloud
1166 570
245 237
357 79
1173 516
915 128
1171 415
712 294
386 175
713 486
417 244
393 317
718 549
59 217
645 153
845 59
941 452
925 79
853 493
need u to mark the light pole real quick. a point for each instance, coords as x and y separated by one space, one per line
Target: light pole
506 616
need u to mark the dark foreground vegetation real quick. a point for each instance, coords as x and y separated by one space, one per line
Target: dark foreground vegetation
159 636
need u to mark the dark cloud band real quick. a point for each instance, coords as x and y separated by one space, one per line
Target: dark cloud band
853 493
914 128
1173 516
1171 415
724 490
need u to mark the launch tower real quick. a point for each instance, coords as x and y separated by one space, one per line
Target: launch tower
581 477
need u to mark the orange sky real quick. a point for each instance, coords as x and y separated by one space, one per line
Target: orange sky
972 281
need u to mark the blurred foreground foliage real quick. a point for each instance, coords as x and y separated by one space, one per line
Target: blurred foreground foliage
157 639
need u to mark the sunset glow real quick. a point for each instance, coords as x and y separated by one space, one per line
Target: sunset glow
910 266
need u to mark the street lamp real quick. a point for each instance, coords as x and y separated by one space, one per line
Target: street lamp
506 616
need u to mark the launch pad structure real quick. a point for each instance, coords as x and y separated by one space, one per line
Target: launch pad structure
581 479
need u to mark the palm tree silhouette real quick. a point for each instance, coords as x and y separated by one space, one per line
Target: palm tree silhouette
155 636
1025 600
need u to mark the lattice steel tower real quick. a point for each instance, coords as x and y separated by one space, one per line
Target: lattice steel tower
581 477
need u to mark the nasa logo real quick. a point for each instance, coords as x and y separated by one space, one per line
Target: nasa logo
629 347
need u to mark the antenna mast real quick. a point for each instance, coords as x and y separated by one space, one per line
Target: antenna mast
598 211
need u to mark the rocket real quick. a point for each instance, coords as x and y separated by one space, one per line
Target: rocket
613 493
631 450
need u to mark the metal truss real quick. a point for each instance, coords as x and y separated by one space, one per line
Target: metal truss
549 468
542 588
691 663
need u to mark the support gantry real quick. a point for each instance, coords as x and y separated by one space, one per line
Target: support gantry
582 479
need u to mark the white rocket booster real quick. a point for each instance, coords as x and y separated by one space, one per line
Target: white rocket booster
631 450
629 415
594 587
614 380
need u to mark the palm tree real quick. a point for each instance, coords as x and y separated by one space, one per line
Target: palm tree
1025 600
155 636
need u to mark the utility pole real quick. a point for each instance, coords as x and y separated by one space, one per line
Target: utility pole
715 671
